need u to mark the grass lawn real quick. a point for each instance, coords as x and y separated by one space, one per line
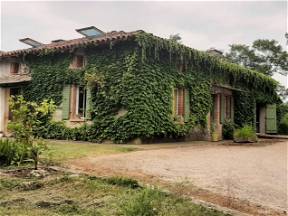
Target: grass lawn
63 194
62 151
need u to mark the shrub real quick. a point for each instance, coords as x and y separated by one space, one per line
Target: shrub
26 116
283 126
142 204
245 134
12 152
228 129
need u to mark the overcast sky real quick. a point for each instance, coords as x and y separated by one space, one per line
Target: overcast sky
200 24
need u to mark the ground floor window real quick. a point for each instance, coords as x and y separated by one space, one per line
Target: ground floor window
81 102
76 103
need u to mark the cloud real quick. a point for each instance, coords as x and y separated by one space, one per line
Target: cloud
200 24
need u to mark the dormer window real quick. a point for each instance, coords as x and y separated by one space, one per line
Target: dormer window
79 61
15 68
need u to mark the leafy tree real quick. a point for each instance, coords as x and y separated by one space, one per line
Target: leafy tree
266 56
26 116
175 38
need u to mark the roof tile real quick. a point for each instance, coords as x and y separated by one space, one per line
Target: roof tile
67 44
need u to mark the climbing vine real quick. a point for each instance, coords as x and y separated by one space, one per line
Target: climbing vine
132 84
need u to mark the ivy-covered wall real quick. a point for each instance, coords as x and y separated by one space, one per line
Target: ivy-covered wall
138 76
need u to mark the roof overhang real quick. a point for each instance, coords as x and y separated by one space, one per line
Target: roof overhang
14 79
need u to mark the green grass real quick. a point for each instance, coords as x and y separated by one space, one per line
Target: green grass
63 194
60 152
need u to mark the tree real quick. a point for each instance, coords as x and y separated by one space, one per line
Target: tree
265 56
175 38
26 116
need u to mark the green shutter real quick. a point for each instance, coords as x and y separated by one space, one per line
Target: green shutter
66 102
222 97
88 104
174 101
271 126
187 106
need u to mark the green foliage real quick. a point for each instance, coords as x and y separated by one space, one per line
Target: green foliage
266 56
26 117
245 134
216 69
118 181
244 112
138 77
152 202
12 152
283 125
144 204
282 110
228 129
124 182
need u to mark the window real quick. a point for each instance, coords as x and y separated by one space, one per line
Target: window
179 102
78 103
15 68
79 61
81 102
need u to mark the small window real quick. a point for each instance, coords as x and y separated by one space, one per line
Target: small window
15 68
79 61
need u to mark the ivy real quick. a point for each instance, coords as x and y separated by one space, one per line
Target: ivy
132 84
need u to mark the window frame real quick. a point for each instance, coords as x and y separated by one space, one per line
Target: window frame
75 62
84 101
178 92
15 68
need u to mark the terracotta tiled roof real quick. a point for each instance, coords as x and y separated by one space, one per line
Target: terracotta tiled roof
68 44
13 79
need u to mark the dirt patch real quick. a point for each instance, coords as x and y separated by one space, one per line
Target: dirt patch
252 179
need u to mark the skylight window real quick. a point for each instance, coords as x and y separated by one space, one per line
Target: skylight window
31 42
91 31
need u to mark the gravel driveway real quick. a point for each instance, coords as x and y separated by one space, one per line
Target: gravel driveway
257 173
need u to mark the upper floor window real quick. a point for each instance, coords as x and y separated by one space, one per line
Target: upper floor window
78 61
180 101
15 68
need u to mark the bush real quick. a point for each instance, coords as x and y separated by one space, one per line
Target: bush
26 116
228 129
245 134
143 204
283 126
12 152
